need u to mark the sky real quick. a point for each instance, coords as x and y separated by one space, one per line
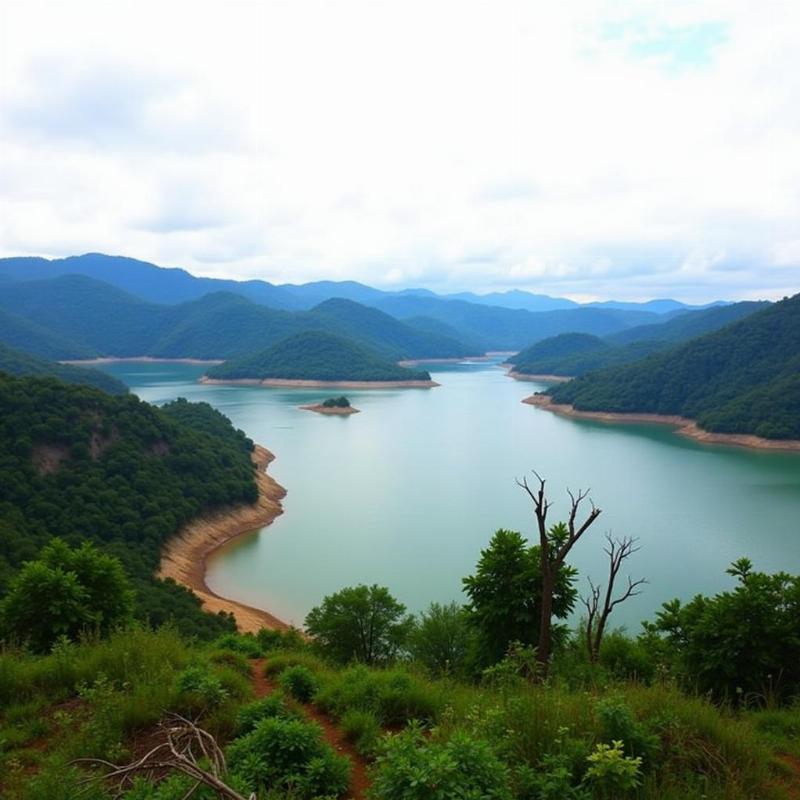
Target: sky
593 150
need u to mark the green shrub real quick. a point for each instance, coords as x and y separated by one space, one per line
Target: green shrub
394 696
362 729
279 754
248 716
411 768
299 682
244 643
611 773
232 660
270 640
619 725
200 689
280 661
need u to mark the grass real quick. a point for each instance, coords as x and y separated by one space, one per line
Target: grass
94 698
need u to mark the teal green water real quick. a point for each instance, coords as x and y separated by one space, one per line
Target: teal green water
407 493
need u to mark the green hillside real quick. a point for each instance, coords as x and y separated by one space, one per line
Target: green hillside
494 328
318 356
742 378
545 357
82 465
30 336
398 340
90 317
13 362
580 354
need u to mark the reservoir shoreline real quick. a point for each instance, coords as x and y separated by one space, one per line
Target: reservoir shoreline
683 426
287 383
185 555
141 359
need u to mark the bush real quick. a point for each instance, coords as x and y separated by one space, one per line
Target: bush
281 754
278 663
200 689
268 707
362 729
619 725
411 768
611 773
299 682
395 697
269 639
244 643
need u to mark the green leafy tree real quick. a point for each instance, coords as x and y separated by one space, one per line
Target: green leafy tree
361 623
506 591
64 593
741 643
443 639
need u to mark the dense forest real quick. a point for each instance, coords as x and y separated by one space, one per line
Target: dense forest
742 378
316 356
104 305
14 362
92 318
573 354
82 465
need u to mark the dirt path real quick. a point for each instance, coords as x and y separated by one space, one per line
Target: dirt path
359 782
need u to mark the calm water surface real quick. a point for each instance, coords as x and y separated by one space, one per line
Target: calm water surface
408 492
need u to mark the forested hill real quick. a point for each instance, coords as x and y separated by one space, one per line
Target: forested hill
20 364
577 354
81 464
316 356
743 378
78 317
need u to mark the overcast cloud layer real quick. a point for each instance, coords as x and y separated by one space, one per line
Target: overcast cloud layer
621 149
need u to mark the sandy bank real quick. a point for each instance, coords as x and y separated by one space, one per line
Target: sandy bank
683 426
521 376
144 359
334 411
413 362
184 557
285 383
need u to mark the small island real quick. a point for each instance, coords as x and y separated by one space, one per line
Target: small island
333 406
318 359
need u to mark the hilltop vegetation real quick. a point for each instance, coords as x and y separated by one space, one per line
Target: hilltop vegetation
570 355
13 362
743 378
83 465
315 356
89 318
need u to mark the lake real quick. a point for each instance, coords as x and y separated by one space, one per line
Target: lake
408 492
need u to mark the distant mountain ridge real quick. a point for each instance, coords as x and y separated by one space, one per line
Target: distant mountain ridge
93 316
176 285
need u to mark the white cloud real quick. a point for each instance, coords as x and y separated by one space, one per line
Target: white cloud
597 149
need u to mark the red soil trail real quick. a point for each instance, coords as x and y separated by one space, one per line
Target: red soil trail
359 782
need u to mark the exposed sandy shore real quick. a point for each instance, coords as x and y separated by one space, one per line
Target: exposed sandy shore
521 376
284 383
683 426
145 359
334 411
184 557
413 362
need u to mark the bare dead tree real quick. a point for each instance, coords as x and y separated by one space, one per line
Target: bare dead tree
618 550
554 545
184 747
